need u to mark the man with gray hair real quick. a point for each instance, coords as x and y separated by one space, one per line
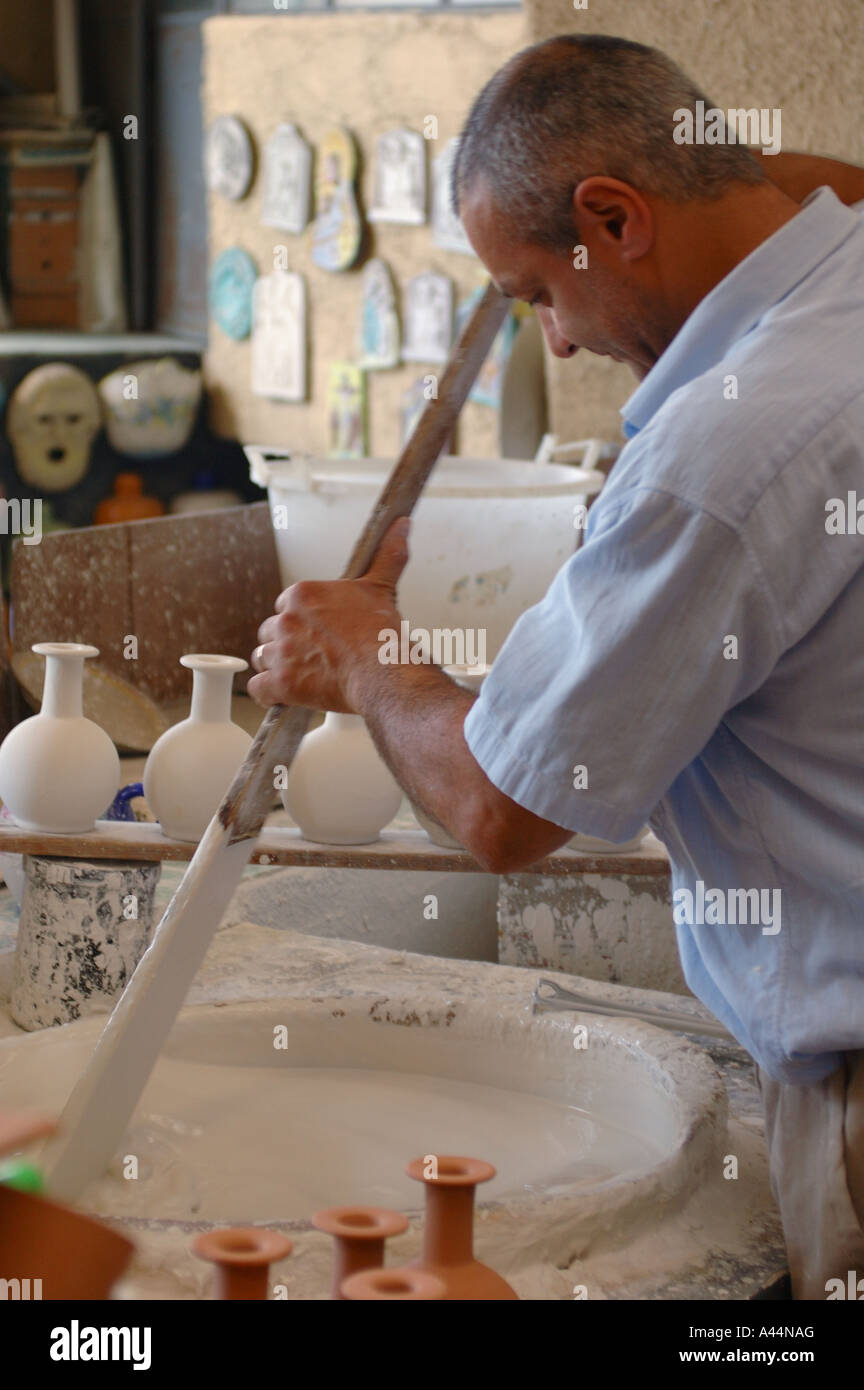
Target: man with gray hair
701 656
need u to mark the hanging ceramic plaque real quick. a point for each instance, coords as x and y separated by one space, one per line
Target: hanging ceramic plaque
487 386
287 169
346 411
228 157
279 336
428 317
399 178
338 231
232 279
447 229
379 323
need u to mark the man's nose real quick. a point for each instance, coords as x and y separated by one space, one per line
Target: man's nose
558 345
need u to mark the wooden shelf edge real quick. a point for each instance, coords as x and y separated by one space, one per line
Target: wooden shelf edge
281 845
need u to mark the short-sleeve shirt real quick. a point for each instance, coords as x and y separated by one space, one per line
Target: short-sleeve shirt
699 662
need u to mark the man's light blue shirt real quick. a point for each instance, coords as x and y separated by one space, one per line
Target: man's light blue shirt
702 654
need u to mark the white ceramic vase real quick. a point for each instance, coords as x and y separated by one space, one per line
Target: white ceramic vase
338 790
58 770
192 765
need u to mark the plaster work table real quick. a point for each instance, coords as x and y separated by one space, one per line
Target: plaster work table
606 916
724 1242
691 1234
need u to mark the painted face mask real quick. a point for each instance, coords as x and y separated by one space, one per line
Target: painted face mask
52 421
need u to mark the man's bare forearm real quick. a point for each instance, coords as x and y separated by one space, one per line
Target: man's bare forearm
799 174
416 715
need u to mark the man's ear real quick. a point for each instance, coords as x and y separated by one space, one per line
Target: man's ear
611 211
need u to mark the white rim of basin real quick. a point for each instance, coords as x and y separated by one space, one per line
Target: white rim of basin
453 475
553 1223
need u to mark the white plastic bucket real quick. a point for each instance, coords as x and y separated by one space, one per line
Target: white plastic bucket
488 535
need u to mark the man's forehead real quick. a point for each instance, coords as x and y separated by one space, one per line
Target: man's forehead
511 262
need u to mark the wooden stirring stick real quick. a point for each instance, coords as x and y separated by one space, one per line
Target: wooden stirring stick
106 1095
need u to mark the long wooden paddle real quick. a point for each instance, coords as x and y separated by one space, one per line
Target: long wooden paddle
102 1102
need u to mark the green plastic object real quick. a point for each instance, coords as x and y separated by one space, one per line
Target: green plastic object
24 1176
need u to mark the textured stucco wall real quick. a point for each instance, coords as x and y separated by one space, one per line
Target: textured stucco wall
804 57
370 72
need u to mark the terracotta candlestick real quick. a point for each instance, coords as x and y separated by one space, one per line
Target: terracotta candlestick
242 1256
359 1234
448 1237
64 1254
405 1284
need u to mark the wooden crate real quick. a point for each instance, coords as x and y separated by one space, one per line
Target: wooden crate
195 583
